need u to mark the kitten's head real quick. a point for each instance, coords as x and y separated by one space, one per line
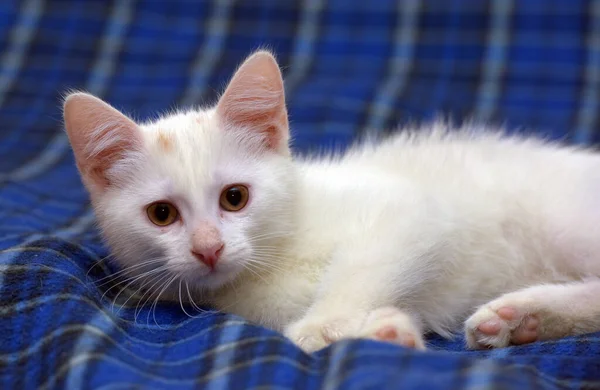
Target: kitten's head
196 196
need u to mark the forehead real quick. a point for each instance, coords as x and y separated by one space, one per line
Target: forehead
190 151
175 132
183 147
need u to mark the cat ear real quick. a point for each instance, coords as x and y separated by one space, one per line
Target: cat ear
101 138
255 102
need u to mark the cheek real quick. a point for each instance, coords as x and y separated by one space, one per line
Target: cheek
235 237
175 241
172 241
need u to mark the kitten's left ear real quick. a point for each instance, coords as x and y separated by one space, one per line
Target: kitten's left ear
255 101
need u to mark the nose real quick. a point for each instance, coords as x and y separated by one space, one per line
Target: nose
209 255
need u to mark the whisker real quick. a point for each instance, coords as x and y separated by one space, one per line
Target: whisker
254 272
96 263
267 250
267 264
136 265
181 301
271 255
149 293
127 270
256 249
192 299
269 235
126 288
276 256
224 309
231 284
154 305
264 266
157 270
134 294
130 280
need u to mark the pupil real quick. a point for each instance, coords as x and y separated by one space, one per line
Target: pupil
162 212
234 196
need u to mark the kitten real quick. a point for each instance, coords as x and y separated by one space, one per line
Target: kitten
428 230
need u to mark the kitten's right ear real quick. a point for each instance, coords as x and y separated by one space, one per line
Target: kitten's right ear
255 101
101 137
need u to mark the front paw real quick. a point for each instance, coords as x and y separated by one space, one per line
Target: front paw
391 325
501 323
314 333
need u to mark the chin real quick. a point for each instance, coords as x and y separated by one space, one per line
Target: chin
213 280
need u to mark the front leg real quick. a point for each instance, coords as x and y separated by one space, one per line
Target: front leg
391 260
354 301
386 324
316 331
392 325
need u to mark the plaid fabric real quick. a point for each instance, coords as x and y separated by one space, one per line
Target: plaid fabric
349 66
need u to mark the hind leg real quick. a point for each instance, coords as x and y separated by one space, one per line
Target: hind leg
536 313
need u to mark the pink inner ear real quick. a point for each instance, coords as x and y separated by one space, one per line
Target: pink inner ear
106 158
100 136
263 115
255 100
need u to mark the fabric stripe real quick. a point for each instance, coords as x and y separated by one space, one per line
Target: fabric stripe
209 54
48 157
20 38
76 377
587 116
97 84
304 45
111 44
335 375
224 359
494 62
383 106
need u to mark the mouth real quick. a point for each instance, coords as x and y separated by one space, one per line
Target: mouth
209 277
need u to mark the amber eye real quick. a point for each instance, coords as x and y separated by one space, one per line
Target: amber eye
162 214
234 198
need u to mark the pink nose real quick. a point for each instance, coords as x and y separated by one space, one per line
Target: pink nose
209 255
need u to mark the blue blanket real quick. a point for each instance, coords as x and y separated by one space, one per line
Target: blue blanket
349 66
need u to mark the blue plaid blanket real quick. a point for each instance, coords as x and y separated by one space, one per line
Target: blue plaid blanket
349 66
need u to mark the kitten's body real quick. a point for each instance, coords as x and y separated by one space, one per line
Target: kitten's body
491 215
434 222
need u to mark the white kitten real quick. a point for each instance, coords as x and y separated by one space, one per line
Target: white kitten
388 241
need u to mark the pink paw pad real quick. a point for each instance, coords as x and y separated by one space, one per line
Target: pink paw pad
526 332
490 328
494 326
507 313
390 334
387 333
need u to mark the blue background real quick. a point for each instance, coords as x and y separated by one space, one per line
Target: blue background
350 66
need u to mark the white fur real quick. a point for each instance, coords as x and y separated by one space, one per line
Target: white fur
435 221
